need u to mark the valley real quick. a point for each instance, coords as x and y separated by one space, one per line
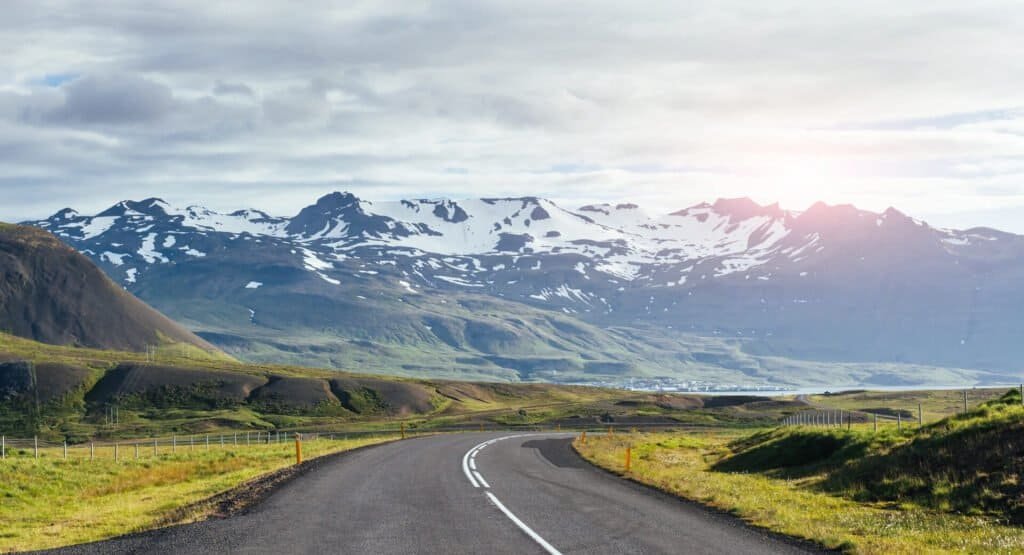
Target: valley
168 442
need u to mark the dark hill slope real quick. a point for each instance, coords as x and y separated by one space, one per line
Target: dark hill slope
52 294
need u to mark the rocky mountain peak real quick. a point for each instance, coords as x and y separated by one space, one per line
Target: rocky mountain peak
64 214
149 207
336 201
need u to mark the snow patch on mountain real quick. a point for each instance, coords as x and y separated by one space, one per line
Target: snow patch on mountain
148 251
117 259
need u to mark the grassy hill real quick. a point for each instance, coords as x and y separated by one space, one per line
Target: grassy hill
954 485
64 392
970 463
52 294
373 327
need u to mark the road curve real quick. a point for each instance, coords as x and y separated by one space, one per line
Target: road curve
460 493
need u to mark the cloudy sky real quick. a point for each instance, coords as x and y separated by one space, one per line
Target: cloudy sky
917 104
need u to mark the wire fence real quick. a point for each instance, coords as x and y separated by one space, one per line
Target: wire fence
138 448
841 418
150 447
846 418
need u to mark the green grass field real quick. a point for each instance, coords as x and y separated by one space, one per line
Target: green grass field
52 502
952 486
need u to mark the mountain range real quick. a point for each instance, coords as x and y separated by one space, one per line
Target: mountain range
727 293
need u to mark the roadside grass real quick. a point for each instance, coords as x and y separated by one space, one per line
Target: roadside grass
51 502
783 492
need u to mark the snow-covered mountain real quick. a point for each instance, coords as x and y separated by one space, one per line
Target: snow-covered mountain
467 243
830 283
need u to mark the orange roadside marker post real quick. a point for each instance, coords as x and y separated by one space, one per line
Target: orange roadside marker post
298 448
583 437
629 458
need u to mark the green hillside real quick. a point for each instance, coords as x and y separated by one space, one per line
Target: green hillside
464 336
971 463
66 392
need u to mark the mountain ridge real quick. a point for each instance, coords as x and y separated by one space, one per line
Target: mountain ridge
827 284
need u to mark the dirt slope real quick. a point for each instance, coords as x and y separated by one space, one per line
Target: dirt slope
52 294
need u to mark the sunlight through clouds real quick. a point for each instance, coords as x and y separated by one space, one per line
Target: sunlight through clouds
664 104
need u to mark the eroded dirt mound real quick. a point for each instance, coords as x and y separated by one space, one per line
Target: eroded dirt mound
171 383
362 395
53 381
41 382
294 392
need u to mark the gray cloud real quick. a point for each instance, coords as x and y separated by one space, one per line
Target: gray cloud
205 102
115 99
226 89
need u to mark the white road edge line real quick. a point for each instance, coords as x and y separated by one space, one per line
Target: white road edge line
533 535
465 468
469 460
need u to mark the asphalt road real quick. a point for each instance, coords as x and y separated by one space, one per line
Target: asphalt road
461 493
